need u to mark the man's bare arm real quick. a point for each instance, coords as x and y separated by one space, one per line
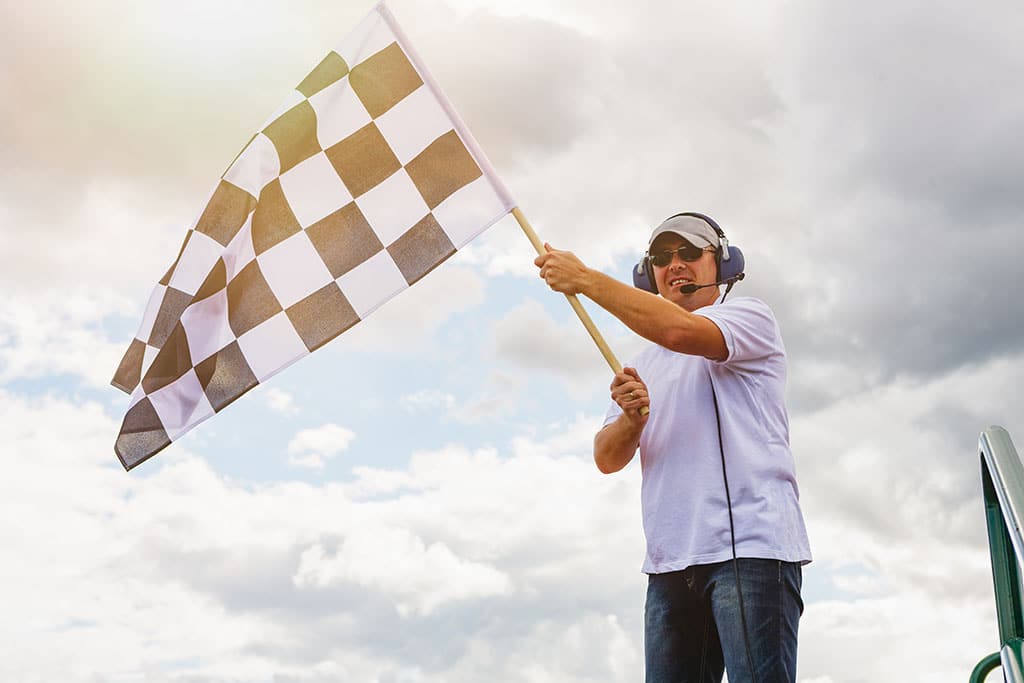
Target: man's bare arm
615 445
649 315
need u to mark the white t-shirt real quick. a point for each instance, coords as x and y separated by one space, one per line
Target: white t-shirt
685 516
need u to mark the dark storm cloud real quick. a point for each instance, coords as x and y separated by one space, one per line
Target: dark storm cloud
891 301
900 131
919 98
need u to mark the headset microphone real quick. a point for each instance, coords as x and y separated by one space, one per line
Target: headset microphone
691 288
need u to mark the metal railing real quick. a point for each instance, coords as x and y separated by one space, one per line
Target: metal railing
1002 480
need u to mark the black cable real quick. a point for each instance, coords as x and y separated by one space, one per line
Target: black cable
732 530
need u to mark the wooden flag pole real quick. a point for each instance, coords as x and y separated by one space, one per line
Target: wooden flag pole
584 317
581 312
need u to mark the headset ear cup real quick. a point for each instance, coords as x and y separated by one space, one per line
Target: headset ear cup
643 276
652 284
729 269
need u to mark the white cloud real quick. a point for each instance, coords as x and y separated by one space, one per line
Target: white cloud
589 648
473 555
494 398
428 398
478 556
416 576
447 291
892 472
109 238
313 447
529 337
60 333
854 641
498 397
76 527
280 401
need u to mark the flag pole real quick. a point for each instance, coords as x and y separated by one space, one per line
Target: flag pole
581 312
584 317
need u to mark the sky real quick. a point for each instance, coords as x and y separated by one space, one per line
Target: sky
416 502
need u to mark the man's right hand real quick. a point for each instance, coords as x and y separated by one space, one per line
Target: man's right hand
630 393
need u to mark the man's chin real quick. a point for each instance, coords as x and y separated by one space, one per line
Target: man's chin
693 300
680 299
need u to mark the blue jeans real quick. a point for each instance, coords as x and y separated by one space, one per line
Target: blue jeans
693 631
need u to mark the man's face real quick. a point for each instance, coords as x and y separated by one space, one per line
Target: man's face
671 277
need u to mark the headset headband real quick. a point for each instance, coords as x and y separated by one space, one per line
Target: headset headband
723 247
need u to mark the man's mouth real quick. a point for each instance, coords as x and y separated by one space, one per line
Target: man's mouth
677 281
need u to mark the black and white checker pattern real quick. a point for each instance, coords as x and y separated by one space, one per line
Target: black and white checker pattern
360 183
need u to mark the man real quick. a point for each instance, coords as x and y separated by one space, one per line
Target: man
718 475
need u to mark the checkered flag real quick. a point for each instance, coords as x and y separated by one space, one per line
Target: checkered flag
362 181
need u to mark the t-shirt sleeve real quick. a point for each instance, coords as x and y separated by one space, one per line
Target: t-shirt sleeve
750 330
613 413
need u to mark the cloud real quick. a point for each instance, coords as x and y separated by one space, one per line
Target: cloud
60 334
313 447
588 649
445 292
905 134
529 337
475 555
498 398
116 234
280 401
493 399
176 104
891 491
544 104
464 561
845 638
417 577
428 398
835 158
899 187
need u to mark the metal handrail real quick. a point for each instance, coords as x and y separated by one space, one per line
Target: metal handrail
984 667
1002 476
1007 474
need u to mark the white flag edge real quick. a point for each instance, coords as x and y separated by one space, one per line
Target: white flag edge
460 126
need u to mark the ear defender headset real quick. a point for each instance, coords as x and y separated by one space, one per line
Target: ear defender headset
728 261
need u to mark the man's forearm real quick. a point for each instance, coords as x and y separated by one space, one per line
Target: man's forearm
661 321
651 316
616 444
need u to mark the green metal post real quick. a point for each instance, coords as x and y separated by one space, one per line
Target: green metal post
985 667
1005 572
1002 480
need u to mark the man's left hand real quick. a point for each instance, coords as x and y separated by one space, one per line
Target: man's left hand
561 270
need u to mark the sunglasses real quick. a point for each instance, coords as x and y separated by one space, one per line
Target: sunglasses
687 252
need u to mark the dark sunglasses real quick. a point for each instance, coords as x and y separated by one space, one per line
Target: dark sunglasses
687 252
